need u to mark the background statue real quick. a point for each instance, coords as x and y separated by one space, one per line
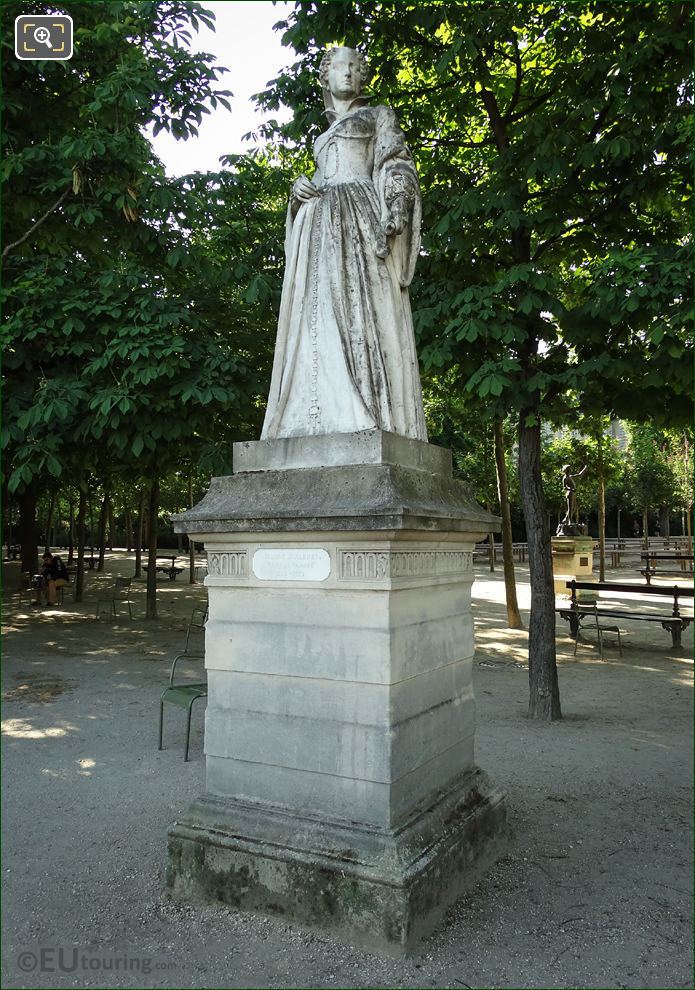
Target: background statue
571 513
345 353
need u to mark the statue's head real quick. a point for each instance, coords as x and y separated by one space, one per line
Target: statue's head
343 73
566 468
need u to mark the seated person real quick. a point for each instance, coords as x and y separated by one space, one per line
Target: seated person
55 575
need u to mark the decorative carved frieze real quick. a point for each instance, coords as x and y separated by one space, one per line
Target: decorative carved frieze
361 565
228 564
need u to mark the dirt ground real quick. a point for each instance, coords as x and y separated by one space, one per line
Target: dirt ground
596 890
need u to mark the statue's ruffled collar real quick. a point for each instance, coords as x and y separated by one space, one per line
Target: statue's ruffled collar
359 101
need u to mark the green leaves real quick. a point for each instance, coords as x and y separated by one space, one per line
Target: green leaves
118 339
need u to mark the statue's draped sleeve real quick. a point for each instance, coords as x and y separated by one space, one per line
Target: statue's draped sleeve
395 179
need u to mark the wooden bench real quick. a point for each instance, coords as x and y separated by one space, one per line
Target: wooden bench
654 561
170 570
575 611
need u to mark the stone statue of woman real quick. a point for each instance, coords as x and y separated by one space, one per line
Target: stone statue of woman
345 356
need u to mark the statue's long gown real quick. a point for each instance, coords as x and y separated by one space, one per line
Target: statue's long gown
345 354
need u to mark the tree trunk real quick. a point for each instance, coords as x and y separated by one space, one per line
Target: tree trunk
665 521
139 535
91 524
191 544
544 692
618 522
151 605
491 545
601 510
81 519
103 515
109 516
71 532
689 529
645 528
28 537
513 614
128 529
6 515
49 522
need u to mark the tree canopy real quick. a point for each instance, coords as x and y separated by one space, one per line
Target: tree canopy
117 341
556 167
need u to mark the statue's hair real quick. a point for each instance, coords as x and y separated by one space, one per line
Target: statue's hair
330 55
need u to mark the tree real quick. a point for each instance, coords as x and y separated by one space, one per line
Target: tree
553 159
513 614
74 153
681 457
119 355
651 477
482 451
74 164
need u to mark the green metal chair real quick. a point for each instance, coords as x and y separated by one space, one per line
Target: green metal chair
600 630
119 592
184 693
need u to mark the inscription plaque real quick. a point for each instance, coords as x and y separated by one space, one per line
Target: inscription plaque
310 564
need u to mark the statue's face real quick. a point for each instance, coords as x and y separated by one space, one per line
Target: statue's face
344 74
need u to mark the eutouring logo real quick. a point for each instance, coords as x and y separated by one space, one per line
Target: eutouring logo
70 959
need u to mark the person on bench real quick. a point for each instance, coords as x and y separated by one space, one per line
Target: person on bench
55 575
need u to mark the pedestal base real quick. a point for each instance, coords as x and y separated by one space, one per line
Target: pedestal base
384 888
573 557
341 788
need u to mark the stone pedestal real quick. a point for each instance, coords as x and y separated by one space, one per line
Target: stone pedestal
341 789
573 557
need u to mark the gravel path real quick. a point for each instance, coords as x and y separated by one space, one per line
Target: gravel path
596 890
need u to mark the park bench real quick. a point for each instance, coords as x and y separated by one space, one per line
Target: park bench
654 561
184 693
170 570
576 611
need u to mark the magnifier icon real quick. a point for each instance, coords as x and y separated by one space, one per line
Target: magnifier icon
43 36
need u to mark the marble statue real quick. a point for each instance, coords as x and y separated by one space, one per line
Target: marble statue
345 357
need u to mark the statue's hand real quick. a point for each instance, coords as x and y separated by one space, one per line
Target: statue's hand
304 190
397 216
